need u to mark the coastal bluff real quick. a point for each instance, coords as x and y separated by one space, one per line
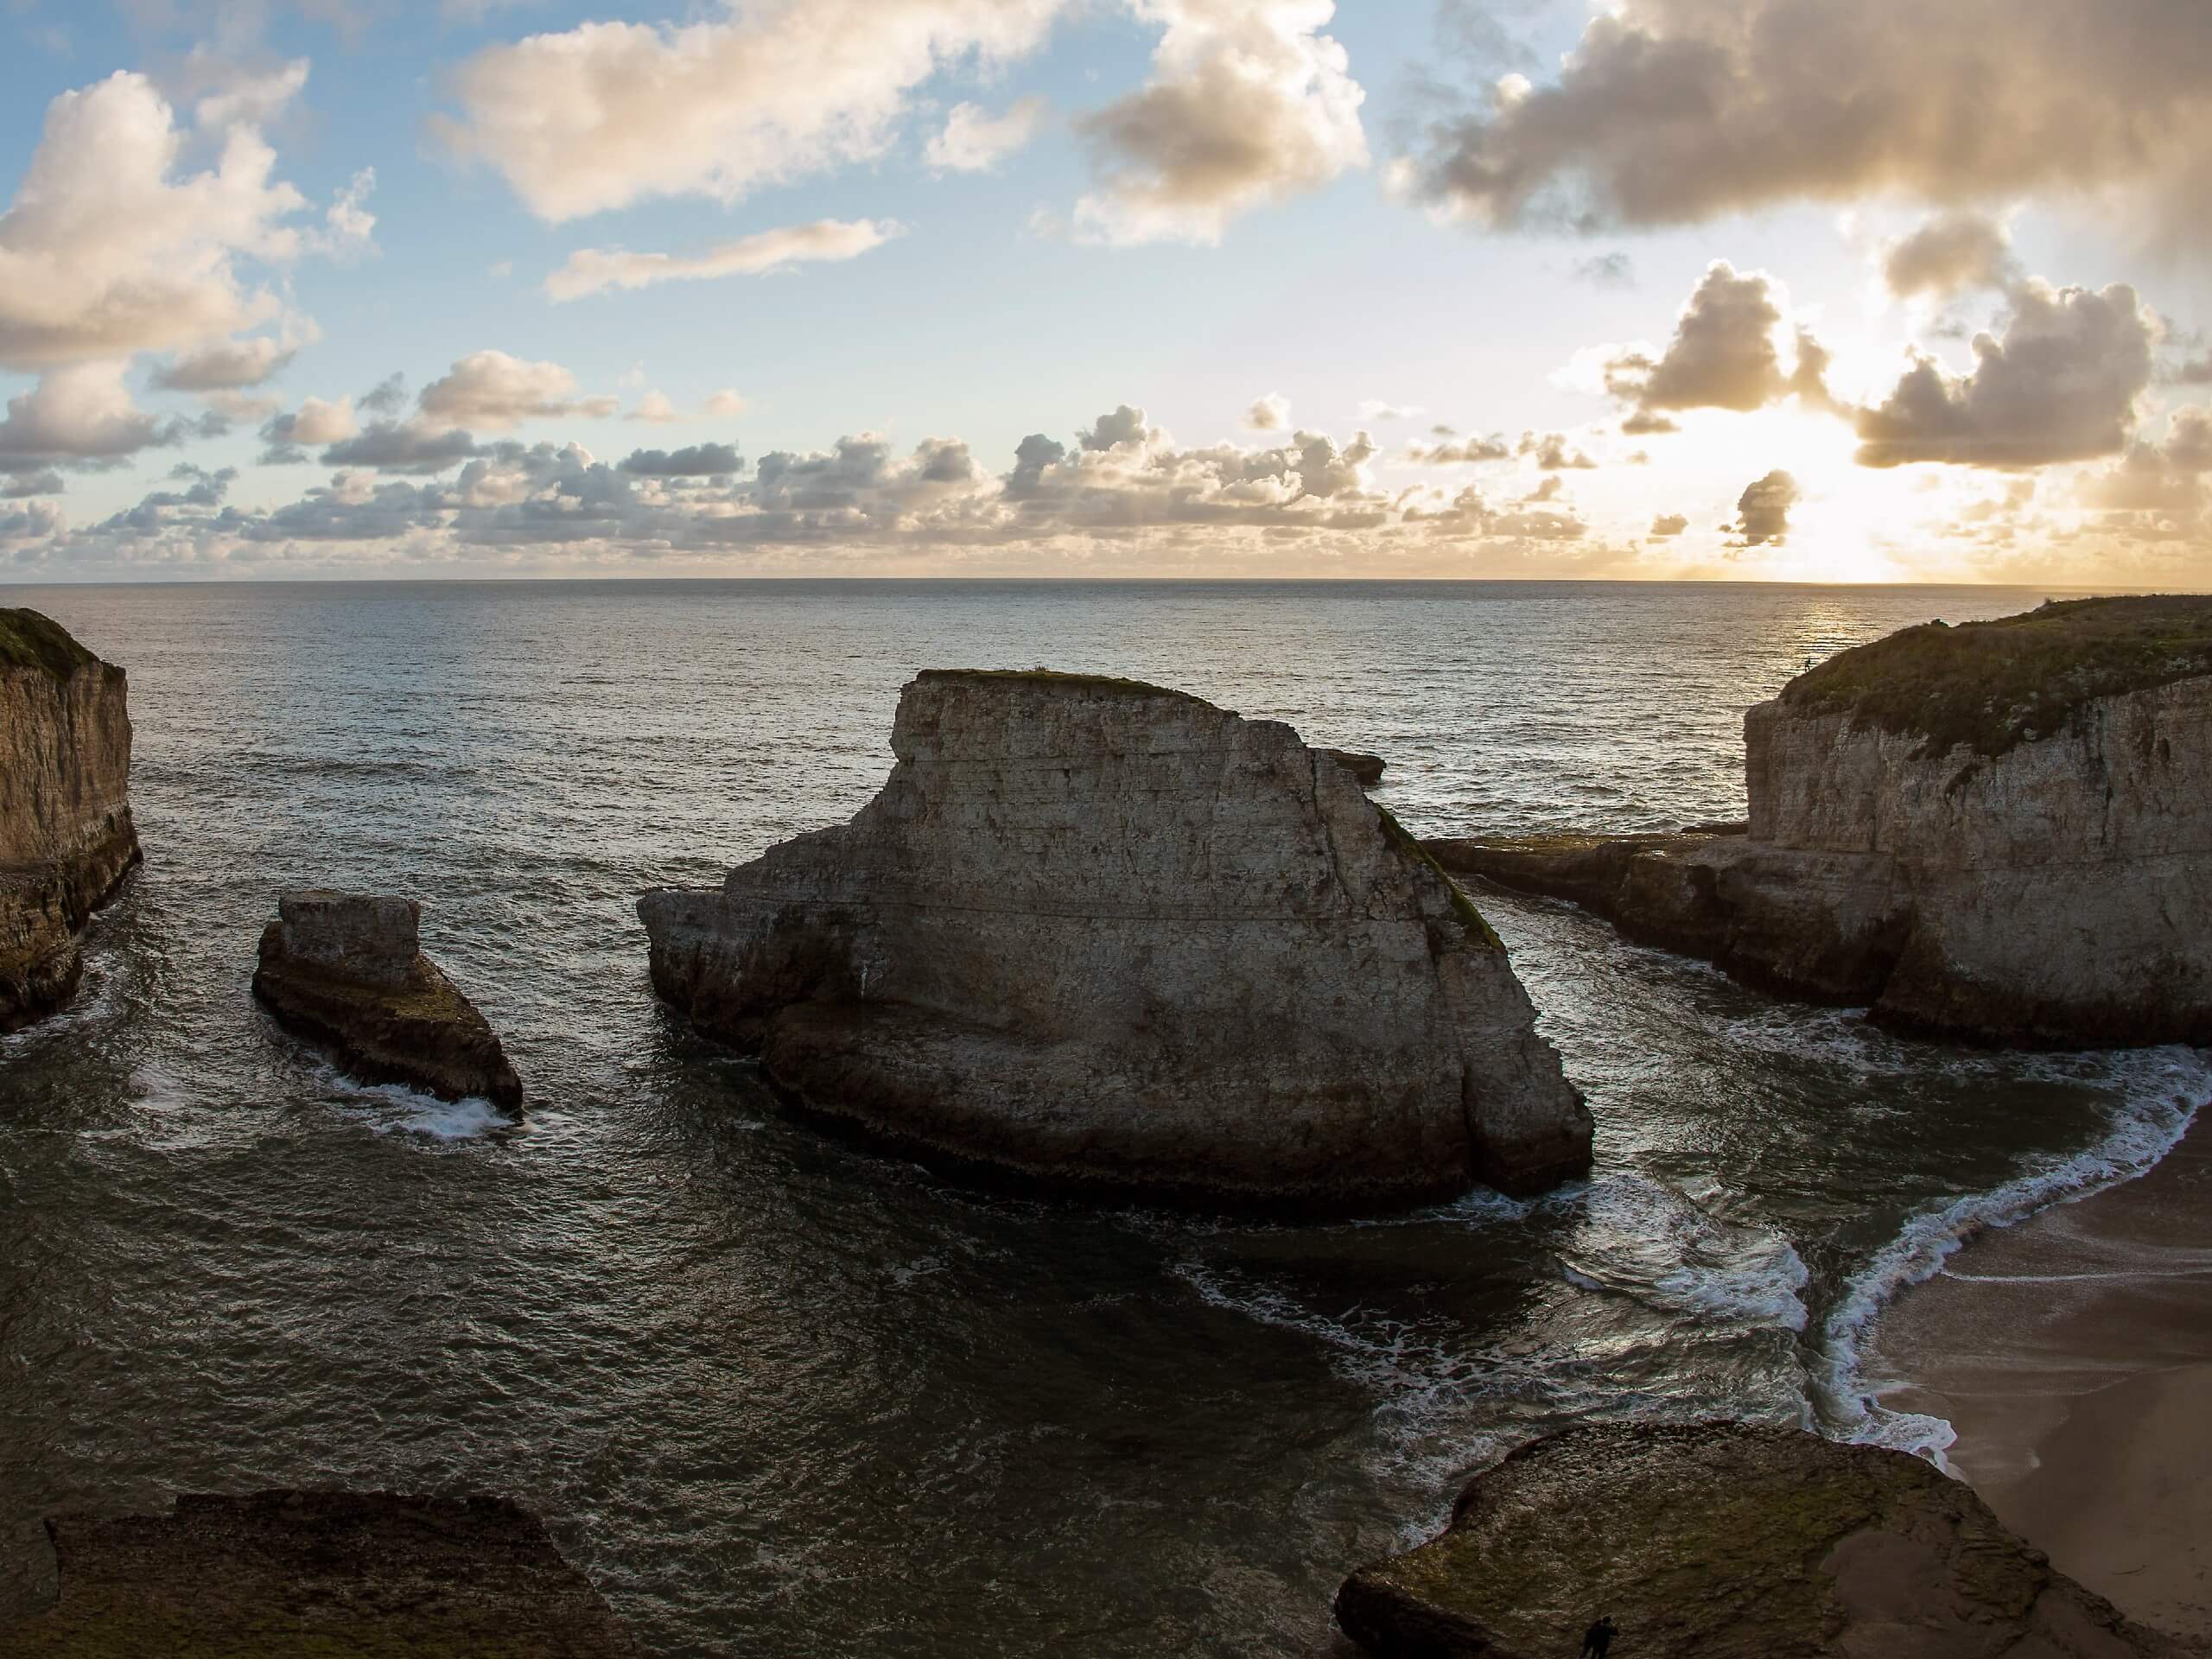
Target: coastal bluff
304 1574
1099 935
1726 1540
2000 831
67 839
347 971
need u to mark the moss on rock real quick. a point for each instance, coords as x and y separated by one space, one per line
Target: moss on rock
32 640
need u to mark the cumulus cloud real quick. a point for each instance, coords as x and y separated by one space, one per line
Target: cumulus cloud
1725 353
496 391
1268 414
607 114
1949 254
725 405
1673 112
2060 383
1668 525
1763 510
2159 484
1614 269
1552 453
109 249
700 460
974 141
83 416
592 271
1451 450
1374 409
225 366
315 422
403 447
1249 102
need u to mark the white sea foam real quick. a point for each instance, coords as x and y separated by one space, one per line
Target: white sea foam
394 1109
2161 1089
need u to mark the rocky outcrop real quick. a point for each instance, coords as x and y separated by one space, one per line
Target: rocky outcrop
1722 1540
291 1574
1366 769
1101 935
66 840
348 971
2001 831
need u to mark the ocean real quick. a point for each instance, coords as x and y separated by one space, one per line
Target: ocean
777 1393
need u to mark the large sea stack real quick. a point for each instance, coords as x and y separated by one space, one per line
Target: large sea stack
1720 1540
1101 935
307 1575
2001 830
348 970
66 836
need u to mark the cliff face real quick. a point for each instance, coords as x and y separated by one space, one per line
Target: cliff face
67 839
1722 1540
1101 934
2051 885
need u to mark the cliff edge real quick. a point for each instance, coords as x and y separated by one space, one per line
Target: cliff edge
1725 1541
66 840
2001 831
1103 935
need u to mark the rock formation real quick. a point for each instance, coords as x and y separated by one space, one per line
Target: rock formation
1723 1541
2001 831
300 1574
1366 769
349 971
1103 935
66 836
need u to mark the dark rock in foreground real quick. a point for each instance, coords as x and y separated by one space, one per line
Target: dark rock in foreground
1101 935
1366 769
1721 1540
2001 831
311 1575
348 971
66 840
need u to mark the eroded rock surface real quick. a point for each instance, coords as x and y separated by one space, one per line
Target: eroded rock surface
2001 831
1366 769
288 1575
1723 1541
66 840
348 970
1104 935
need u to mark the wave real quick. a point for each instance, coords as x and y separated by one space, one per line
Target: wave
2161 1090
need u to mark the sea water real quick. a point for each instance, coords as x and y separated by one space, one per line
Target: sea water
777 1394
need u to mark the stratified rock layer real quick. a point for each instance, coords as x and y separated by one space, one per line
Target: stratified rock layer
348 970
1720 1540
66 840
2001 831
309 1575
1101 934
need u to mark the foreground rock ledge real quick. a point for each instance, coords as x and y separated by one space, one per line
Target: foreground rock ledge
2001 831
279 1574
348 970
1722 1540
66 840
1097 933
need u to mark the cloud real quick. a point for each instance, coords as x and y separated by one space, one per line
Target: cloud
1248 103
1614 269
701 460
1668 525
1677 112
1552 453
1268 414
225 366
403 447
608 114
725 405
315 422
493 389
2161 483
974 141
1949 254
22 486
1723 355
592 271
655 409
1455 451
1763 510
1374 409
2197 372
83 418
2060 384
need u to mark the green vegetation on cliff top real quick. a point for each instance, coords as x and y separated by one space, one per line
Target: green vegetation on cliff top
29 639
1111 684
1994 685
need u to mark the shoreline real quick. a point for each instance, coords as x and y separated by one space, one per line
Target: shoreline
2072 1355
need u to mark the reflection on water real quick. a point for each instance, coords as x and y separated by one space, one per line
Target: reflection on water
773 1390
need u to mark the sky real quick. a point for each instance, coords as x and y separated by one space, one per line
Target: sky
1896 290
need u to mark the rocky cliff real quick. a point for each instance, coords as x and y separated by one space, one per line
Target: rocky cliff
1721 1540
1099 934
67 839
348 970
2001 830
314 1575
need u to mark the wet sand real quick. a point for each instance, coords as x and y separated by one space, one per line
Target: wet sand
2073 1355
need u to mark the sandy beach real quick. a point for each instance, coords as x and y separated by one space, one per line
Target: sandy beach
2073 1355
